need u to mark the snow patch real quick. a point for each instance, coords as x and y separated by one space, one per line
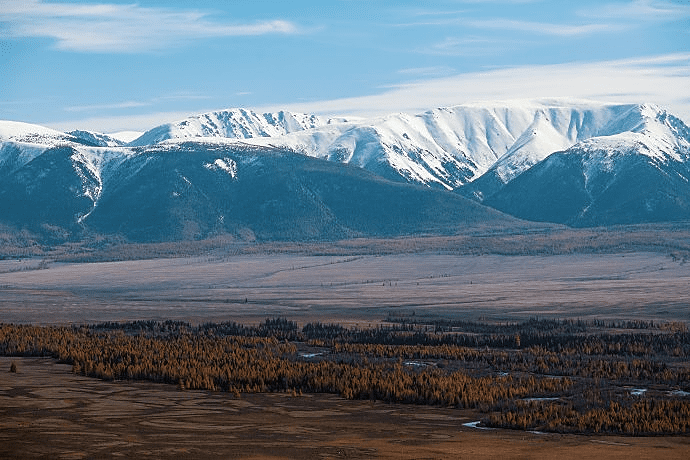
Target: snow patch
223 164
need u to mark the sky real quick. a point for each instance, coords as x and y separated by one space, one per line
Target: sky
116 65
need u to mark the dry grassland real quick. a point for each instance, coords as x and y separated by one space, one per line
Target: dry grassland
48 412
356 289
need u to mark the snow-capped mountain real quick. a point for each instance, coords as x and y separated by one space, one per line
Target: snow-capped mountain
574 163
639 175
555 129
61 174
445 147
192 190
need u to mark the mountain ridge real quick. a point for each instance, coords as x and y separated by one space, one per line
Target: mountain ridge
544 161
445 147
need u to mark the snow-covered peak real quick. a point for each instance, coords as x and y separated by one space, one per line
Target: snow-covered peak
647 130
661 124
446 147
232 123
560 126
26 132
537 142
452 146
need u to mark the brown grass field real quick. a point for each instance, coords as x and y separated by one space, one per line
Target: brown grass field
48 412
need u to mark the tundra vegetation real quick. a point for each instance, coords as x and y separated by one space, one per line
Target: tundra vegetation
566 376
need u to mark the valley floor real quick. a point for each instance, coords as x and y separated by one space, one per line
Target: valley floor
361 289
48 412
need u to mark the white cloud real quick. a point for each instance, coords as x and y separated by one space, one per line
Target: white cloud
664 80
118 105
470 46
639 10
120 28
434 71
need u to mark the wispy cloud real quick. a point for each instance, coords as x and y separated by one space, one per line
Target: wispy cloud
151 102
120 28
182 96
119 105
658 79
661 79
544 28
470 46
469 19
639 10
427 72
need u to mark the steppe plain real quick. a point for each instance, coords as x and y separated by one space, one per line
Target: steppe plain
48 412
362 288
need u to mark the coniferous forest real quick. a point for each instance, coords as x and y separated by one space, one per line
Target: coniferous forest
618 377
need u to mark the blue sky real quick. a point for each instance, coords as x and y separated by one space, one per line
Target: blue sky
118 65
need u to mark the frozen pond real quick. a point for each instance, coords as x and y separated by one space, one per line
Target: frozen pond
476 425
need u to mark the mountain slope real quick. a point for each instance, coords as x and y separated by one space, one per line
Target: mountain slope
53 189
190 191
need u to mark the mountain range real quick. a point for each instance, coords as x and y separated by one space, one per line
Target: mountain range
293 176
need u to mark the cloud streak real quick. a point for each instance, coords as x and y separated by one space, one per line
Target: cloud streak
119 105
640 11
560 30
658 79
121 28
470 46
